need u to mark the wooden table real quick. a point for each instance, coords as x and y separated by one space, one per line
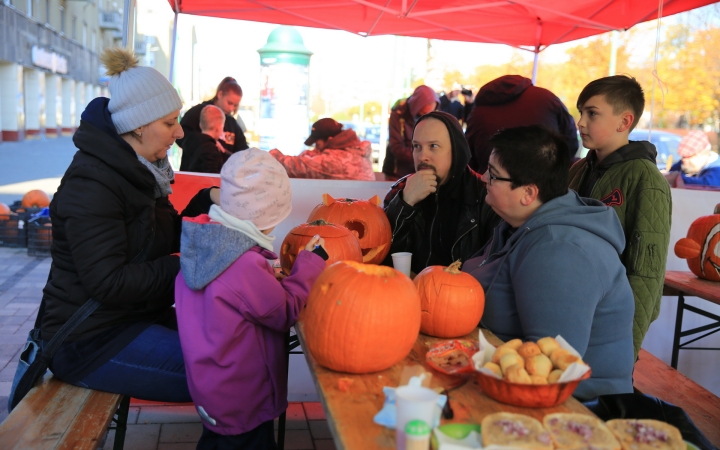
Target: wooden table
350 414
686 283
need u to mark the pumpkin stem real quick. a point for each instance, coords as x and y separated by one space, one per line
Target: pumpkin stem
717 209
350 200
318 222
454 268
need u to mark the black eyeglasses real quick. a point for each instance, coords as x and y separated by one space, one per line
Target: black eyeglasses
496 178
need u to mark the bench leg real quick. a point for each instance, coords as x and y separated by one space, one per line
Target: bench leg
678 331
121 423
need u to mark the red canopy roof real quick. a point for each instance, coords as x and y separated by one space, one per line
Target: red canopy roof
535 23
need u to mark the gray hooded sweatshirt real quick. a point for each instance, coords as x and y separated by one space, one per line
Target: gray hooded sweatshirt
560 274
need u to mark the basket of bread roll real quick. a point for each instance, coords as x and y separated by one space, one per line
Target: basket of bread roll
538 374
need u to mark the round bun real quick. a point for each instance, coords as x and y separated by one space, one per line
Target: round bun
548 345
500 352
510 359
539 365
528 349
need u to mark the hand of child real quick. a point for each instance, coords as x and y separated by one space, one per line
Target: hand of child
315 242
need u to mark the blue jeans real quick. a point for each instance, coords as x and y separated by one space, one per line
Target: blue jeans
151 367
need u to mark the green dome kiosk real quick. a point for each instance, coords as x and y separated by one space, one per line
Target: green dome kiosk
284 116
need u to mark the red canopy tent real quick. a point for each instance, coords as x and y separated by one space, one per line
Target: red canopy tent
532 23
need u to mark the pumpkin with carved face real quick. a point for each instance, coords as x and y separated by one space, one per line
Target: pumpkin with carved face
701 247
364 218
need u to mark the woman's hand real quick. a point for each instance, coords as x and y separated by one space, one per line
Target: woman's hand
314 243
215 195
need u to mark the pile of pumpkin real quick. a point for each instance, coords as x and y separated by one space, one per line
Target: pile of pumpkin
362 317
32 199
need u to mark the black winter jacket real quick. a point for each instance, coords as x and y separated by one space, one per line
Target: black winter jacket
103 215
454 223
234 137
201 154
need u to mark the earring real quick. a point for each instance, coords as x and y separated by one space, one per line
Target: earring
137 135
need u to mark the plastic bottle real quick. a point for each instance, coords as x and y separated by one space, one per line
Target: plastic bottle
417 435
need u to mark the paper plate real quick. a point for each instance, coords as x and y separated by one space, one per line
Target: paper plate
458 431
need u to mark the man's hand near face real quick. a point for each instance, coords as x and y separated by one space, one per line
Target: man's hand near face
419 186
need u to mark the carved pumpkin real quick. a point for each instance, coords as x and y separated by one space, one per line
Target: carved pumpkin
364 218
340 243
452 302
701 247
361 318
4 211
35 199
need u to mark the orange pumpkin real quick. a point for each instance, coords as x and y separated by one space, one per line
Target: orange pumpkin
361 318
365 218
701 247
452 302
4 211
340 243
35 199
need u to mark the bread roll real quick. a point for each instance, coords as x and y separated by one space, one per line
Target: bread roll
517 374
562 358
528 349
554 376
571 431
539 365
646 434
513 344
537 379
510 359
548 345
494 367
500 352
515 430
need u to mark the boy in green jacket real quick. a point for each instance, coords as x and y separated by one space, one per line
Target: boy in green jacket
623 174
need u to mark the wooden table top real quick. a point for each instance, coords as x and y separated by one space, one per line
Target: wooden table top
350 414
689 284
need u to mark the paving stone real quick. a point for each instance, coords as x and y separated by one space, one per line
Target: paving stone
314 411
324 444
319 429
180 432
5 388
23 305
168 414
178 446
12 320
298 440
7 330
8 372
137 437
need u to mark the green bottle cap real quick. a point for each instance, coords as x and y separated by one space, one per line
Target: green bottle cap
417 428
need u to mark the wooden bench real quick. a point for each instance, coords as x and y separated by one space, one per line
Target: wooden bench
653 377
56 415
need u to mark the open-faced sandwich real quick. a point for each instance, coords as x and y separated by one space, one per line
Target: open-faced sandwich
516 431
572 431
646 434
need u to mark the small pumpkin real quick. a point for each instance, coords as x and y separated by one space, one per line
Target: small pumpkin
4 211
340 243
452 302
361 318
701 247
35 199
365 218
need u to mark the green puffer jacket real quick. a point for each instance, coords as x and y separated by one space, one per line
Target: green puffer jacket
629 181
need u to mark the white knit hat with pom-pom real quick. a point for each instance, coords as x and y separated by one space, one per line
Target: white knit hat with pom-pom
138 95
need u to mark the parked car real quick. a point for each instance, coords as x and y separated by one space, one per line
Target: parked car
665 142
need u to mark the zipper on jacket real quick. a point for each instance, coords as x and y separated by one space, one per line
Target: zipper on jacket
432 225
636 254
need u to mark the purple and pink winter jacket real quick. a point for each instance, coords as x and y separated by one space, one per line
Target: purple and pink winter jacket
233 316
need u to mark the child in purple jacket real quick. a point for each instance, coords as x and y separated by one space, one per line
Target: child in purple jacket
233 314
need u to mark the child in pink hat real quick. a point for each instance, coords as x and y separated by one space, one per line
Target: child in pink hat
233 314
699 164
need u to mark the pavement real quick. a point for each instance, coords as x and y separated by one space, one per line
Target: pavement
39 164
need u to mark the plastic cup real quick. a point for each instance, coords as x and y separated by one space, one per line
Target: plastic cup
401 262
413 403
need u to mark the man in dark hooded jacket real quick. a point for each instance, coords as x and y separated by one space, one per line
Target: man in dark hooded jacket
439 213
399 156
512 101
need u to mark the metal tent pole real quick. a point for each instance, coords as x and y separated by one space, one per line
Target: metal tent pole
173 46
128 37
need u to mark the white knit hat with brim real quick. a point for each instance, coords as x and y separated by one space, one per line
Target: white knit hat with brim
255 187
138 95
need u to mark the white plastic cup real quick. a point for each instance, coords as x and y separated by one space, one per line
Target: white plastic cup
401 262
413 403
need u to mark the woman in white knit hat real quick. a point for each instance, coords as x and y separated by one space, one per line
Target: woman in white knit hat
114 235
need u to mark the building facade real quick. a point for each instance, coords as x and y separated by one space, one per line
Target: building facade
49 62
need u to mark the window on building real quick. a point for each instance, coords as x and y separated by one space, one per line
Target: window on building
29 7
92 42
84 36
62 19
47 12
74 28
